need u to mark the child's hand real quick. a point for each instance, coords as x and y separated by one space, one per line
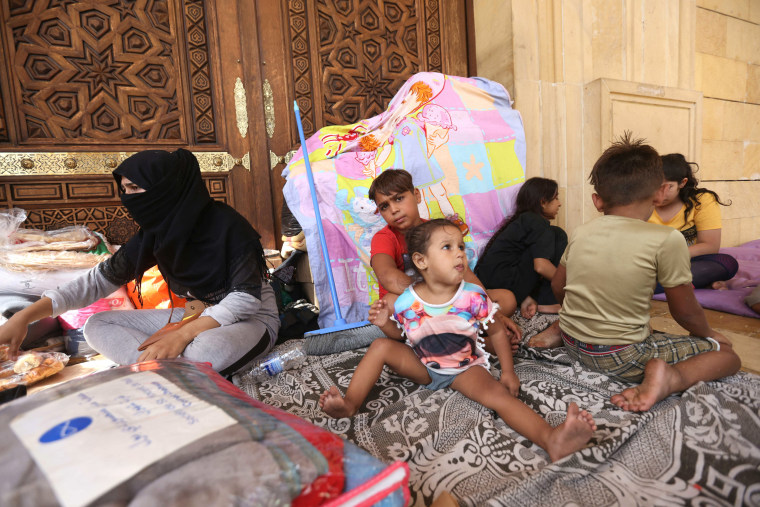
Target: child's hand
510 380
379 313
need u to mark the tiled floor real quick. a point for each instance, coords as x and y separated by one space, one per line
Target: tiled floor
744 332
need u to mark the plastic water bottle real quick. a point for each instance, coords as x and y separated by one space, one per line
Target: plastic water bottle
290 356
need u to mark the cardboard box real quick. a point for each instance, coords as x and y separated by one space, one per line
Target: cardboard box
303 270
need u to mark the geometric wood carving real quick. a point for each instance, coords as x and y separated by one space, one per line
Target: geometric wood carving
366 49
106 72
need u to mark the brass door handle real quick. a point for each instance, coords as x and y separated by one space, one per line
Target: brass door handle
275 159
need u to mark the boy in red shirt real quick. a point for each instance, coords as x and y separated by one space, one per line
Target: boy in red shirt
396 198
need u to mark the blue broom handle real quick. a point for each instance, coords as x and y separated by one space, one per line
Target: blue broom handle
325 254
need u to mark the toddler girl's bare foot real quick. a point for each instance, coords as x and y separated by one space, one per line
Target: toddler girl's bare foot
334 405
572 435
719 285
658 377
528 307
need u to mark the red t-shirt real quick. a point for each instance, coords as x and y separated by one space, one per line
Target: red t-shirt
390 241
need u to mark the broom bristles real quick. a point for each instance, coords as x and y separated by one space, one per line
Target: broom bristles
341 340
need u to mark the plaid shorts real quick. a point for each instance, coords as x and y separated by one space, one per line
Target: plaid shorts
626 362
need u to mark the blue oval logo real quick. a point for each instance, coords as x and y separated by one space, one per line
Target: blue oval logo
65 429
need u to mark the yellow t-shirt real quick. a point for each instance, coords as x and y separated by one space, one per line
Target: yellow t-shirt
704 216
612 265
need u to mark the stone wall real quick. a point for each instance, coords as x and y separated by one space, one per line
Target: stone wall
683 74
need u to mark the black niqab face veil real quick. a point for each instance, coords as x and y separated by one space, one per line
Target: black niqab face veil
191 237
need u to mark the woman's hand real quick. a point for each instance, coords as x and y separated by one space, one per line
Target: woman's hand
13 333
169 346
511 381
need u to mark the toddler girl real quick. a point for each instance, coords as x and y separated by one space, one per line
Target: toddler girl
440 317
523 254
695 212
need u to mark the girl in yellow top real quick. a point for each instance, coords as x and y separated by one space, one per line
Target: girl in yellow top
695 212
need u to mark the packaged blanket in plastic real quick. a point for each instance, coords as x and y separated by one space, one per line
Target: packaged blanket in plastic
174 432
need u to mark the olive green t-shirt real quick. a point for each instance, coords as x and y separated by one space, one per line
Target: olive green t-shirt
612 264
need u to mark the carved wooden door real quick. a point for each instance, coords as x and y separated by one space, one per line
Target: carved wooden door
343 60
83 83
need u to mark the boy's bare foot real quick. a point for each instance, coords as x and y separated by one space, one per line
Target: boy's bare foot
528 307
548 338
572 435
548 308
658 377
334 405
719 285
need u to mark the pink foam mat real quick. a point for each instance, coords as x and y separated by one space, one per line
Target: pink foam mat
747 278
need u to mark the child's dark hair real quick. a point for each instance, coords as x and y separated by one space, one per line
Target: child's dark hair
628 171
533 193
676 168
391 181
418 237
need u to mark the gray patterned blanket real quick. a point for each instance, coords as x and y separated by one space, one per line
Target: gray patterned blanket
698 448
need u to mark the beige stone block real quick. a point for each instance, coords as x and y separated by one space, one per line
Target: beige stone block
743 41
749 229
527 100
574 135
658 51
493 42
525 30
572 37
711 27
592 121
552 133
737 8
753 83
698 71
573 204
754 11
751 168
712 119
752 117
722 160
735 126
730 234
723 78
608 43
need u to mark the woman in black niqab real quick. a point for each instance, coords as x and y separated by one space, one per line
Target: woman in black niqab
206 252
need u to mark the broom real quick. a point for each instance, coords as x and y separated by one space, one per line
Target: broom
341 336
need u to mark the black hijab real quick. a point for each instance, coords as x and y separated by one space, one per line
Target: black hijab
191 237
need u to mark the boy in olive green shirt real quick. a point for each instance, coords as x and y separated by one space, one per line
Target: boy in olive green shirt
605 282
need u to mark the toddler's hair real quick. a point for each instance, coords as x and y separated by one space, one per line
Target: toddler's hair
676 168
530 197
391 181
628 171
418 237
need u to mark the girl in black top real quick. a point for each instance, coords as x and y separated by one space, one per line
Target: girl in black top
523 254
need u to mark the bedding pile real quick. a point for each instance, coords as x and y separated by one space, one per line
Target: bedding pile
698 448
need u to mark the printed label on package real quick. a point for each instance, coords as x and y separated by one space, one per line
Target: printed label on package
91 441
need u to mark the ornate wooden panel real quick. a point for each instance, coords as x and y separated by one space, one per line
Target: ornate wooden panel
365 51
105 72
53 202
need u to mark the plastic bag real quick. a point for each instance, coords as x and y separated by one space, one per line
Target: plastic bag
9 223
29 368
